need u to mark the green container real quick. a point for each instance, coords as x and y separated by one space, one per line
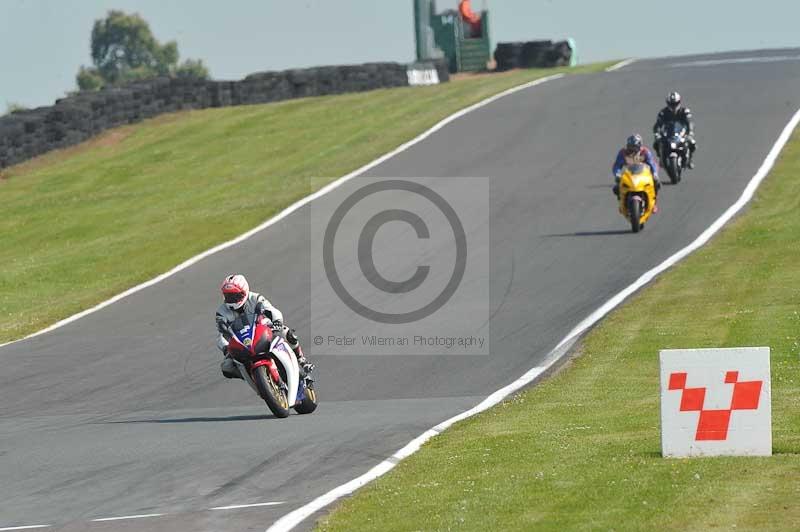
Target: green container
451 38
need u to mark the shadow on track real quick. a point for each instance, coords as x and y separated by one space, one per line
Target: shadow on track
592 233
194 420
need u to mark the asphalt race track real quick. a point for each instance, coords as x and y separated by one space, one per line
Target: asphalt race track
124 412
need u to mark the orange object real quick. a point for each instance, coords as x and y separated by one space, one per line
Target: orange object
465 8
472 18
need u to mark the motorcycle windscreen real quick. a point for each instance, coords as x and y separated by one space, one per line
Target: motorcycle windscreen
677 130
636 168
243 328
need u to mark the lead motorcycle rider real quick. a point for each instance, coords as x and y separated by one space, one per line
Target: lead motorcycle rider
635 149
674 112
239 299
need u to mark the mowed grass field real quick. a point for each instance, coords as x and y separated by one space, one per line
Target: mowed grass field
83 224
582 450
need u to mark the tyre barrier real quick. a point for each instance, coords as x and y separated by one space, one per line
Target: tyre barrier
76 118
533 54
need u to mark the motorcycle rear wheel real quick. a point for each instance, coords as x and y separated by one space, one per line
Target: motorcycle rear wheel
309 402
271 392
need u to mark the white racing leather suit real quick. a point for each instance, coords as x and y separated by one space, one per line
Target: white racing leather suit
226 316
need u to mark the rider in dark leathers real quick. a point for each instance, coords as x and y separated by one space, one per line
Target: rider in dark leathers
674 112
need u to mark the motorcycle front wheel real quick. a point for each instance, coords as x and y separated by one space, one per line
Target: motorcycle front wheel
272 393
635 211
674 170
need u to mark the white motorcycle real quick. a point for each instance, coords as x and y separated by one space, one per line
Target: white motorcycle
269 365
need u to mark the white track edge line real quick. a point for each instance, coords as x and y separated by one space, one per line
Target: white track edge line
24 527
621 64
290 209
123 517
294 518
237 506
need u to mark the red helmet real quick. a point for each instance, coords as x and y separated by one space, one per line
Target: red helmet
235 290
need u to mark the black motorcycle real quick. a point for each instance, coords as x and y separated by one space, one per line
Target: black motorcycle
674 151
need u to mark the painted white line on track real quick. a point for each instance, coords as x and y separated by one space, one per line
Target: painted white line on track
290 209
294 518
24 527
123 517
737 60
621 64
237 506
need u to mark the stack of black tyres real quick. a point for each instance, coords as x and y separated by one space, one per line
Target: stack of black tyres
508 55
532 54
26 134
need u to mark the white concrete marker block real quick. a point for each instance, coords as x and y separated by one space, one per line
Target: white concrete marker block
716 402
422 76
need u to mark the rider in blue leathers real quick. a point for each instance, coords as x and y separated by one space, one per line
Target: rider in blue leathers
634 147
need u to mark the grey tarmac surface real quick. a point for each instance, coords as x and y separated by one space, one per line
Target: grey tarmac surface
124 412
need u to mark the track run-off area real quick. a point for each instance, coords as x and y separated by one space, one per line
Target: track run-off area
120 420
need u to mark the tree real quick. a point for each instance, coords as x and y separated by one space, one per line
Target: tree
89 79
192 68
124 49
12 107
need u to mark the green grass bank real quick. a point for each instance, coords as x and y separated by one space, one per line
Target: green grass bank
83 224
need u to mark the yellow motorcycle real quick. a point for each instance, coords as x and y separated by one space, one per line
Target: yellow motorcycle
637 193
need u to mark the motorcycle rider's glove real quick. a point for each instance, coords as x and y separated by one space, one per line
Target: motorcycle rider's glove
307 366
277 325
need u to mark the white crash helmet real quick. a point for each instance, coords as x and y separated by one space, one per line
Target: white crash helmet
235 290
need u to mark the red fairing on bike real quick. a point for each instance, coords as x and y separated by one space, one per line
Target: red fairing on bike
235 345
262 336
271 367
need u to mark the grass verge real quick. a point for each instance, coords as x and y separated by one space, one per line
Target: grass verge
581 451
83 224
